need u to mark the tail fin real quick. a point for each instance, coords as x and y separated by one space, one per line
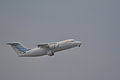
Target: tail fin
18 48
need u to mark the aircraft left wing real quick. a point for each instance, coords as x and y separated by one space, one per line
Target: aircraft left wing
43 45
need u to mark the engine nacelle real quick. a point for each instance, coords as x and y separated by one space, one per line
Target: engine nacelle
52 46
50 53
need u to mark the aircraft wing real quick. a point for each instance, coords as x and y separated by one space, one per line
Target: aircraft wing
43 45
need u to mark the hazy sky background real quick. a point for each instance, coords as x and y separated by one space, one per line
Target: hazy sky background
95 22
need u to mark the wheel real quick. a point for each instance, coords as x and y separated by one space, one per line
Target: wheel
51 53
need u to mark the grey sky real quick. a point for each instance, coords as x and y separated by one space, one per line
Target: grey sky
95 22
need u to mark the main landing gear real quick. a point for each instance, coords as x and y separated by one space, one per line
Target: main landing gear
50 53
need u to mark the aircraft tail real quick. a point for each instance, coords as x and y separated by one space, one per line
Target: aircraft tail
18 48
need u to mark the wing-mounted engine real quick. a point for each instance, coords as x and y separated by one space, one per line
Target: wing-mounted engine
50 47
50 53
53 46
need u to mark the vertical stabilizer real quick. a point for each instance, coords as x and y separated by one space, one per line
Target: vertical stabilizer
18 48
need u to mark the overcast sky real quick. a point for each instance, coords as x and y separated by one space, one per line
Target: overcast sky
95 22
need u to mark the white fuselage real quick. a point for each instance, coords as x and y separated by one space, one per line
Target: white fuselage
53 47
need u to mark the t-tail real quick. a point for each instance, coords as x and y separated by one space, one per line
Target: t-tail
18 48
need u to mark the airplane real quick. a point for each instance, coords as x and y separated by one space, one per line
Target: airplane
44 48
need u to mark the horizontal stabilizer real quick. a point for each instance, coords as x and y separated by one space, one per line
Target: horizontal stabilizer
43 45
